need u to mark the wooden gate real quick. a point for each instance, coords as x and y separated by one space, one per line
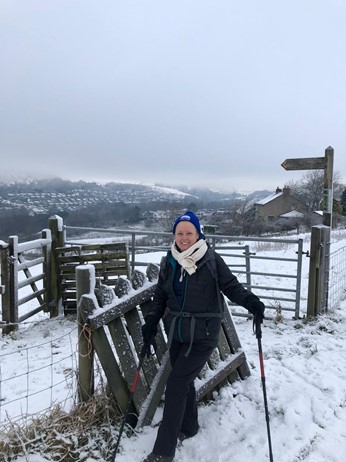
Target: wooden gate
114 333
20 258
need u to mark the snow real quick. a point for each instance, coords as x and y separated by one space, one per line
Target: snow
59 222
306 386
293 214
305 376
169 190
29 245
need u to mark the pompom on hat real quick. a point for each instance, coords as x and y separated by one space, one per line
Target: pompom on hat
191 217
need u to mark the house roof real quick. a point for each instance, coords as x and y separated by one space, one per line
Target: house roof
269 198
292 214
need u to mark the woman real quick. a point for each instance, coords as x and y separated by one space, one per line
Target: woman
189 295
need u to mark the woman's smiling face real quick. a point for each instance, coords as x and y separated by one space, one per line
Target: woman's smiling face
185 235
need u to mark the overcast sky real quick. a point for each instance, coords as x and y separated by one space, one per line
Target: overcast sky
216 93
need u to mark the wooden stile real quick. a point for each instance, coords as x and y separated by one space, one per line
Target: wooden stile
117 340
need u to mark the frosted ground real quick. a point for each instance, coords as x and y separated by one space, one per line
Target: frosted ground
305 368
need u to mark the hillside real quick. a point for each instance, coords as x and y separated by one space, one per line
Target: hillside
42 196
27 203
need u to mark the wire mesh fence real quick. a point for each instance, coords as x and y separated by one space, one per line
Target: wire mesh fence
35 377
337 277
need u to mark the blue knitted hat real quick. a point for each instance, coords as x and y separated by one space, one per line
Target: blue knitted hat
191 217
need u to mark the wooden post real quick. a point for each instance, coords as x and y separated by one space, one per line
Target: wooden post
328 187
55 224
328 212
13 281
5 284
248 265
47 251
318 271
85 277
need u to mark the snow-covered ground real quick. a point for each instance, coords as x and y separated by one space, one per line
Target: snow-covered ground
305 368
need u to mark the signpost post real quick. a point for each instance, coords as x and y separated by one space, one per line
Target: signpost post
320 236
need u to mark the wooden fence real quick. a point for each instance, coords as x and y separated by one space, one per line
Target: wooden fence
113 332
53 286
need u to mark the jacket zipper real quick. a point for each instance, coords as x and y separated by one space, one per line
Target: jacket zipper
182 307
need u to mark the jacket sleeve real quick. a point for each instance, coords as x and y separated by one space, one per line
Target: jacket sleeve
159 302
231 287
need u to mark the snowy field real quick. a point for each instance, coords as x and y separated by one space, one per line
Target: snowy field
305 368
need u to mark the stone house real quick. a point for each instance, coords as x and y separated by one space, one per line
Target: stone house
279 203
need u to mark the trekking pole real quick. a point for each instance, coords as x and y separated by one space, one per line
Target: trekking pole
258 332
145 349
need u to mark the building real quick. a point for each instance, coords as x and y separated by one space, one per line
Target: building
279 203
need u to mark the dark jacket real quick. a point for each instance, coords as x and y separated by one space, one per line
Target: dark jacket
192 307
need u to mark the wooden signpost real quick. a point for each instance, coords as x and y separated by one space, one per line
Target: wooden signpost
320 235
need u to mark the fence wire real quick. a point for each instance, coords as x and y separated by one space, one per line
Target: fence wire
337 277
35 378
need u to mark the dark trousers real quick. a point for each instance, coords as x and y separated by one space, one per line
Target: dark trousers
180 409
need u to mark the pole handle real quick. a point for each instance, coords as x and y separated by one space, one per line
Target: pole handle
257 321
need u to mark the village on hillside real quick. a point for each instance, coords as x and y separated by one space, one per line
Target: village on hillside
26 206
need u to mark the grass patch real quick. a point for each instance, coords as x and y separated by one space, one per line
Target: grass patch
88 432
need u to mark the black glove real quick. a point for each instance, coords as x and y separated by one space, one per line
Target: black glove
256 308
149 330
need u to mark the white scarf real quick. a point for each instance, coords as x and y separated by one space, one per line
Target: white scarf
188 258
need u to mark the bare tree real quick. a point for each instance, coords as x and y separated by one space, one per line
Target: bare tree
343 201
310 189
